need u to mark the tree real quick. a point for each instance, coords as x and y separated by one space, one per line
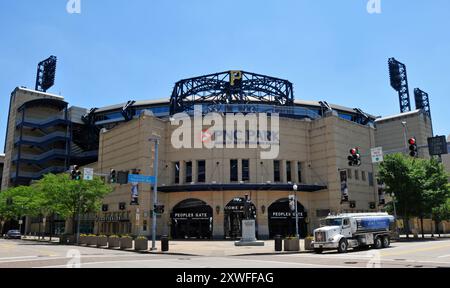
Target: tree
70 197
419 185
441 213
15 203
436 190
399 174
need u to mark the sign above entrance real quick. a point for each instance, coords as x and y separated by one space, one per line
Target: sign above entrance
285 215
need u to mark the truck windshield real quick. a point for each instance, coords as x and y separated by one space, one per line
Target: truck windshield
332 222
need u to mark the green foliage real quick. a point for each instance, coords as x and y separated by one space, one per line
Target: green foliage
419 185
53 194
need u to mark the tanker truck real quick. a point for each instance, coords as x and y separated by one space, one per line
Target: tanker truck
354 230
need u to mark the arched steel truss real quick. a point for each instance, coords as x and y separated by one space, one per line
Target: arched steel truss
231 87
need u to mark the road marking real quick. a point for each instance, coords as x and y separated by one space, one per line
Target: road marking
17 258
415 250
196 265
444 256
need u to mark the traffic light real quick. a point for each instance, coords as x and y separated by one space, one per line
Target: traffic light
75 174
113 176
122 177
354 158
413 150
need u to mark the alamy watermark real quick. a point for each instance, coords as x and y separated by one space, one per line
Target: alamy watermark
374 6
75 258
227 131
73 6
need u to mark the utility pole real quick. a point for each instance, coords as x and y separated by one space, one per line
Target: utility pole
155 190
297 234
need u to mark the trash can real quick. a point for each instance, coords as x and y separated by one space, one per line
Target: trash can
278 243
164 243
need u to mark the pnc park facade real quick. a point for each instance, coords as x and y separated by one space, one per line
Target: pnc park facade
202 189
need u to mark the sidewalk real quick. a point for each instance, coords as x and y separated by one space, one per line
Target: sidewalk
202 248
222 248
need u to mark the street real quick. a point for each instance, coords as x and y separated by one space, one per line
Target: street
31 254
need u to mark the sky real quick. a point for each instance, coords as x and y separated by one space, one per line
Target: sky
331 50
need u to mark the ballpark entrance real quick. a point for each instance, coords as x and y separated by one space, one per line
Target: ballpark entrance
192 219
234 214
282 219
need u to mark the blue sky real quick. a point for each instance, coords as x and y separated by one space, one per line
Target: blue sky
332 50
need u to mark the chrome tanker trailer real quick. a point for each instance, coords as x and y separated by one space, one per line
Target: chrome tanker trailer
354 230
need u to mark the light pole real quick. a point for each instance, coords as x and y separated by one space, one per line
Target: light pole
155 190
296 211
405 129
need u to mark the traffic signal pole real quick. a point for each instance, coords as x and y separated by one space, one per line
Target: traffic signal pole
155 191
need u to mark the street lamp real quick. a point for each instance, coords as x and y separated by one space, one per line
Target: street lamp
405 129
295 187
155 139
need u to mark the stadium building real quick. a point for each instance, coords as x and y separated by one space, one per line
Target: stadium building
203 189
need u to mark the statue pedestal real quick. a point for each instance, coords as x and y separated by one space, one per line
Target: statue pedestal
248 234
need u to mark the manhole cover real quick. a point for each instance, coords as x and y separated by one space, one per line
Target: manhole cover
184 259
350 263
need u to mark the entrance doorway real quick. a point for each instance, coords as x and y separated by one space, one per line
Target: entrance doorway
192 219
282 219
234 214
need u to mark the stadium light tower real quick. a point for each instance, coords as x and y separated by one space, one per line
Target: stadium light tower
399 81
45 76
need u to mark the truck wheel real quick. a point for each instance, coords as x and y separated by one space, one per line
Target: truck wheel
343 246
318 251
386 242
378 244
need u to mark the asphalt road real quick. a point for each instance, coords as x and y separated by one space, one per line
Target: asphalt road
28 254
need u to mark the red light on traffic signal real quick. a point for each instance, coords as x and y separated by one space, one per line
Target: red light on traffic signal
354 151
412 141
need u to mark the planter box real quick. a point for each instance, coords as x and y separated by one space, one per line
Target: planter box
67 239
102 241
141 244
291 245
126 243
83 240
308 244
92 241
113 242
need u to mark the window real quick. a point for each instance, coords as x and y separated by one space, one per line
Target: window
188 172
356 174
363 176
233 170
245 170
176 172
276 171
299 172
288 171
370 179
201 171
349 173
346 222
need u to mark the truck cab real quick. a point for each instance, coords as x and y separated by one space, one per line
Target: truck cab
353 230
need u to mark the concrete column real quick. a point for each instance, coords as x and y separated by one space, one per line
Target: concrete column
218 218
239 170
194 171
283 171
182 172
262 219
